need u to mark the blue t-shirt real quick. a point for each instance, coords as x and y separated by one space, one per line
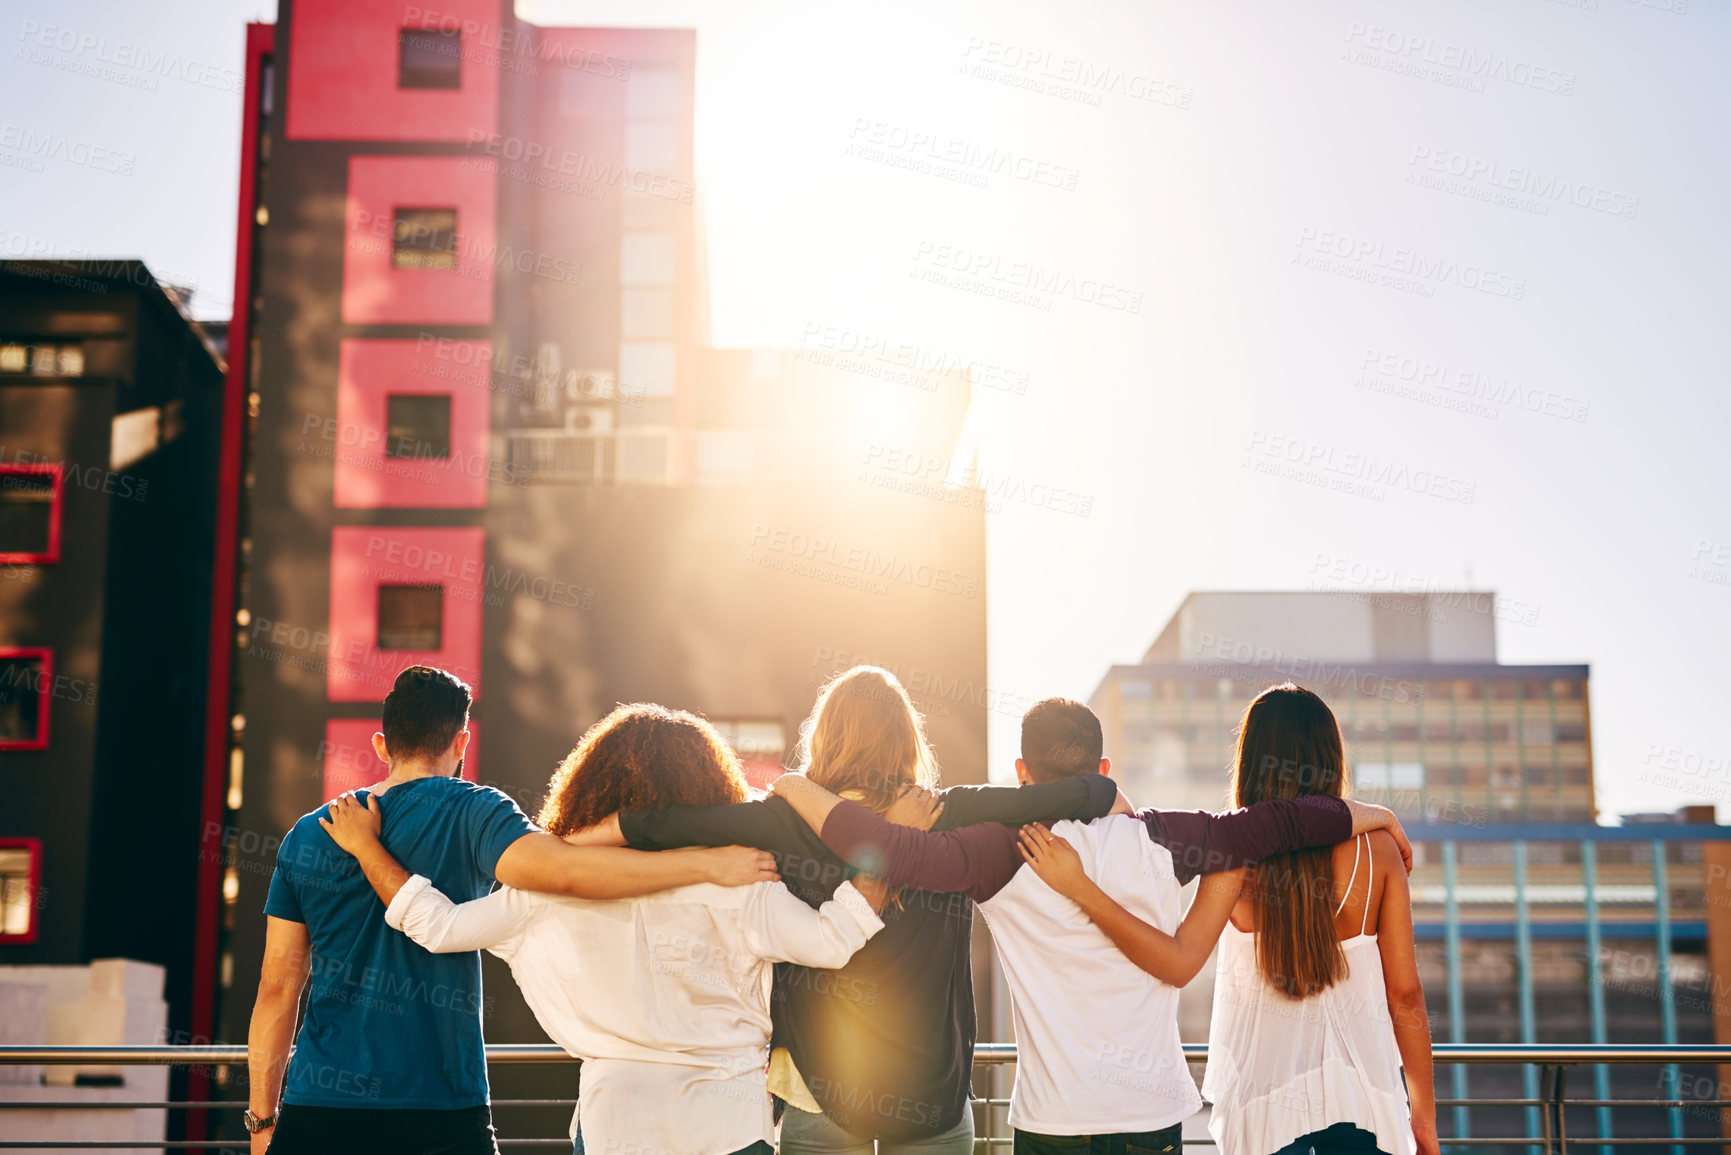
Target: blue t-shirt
389 1024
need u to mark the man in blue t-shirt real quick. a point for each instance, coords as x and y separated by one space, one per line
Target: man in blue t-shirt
389 1056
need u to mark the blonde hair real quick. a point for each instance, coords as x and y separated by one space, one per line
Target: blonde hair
864 740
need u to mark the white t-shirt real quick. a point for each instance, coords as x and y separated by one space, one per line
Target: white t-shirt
1098 1051
665 998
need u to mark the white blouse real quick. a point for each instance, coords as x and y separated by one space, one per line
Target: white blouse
665 998
1280 1067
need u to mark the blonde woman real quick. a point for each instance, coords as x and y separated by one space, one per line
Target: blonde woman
881 1050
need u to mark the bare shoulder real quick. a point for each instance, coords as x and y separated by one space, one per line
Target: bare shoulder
1385 851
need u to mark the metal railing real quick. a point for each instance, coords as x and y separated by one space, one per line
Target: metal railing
1552 1103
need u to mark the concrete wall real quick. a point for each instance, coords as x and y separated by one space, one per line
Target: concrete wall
107 1003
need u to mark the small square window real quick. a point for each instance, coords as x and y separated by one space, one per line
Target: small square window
20 883
418 425
424 239
30 498
429 59
43 358
411 617
651 147
646 259
25 679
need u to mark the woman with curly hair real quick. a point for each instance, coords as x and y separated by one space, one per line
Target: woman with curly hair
665 998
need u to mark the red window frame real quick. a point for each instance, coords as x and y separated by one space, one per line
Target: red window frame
40 742
34 846
366 557
369 372
55 503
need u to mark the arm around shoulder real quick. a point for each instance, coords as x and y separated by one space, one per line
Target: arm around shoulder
424 913
539 861
782 928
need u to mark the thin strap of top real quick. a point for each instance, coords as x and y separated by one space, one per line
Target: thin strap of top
1369 883
1350 879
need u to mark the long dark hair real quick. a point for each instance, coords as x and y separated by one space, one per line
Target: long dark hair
1289 746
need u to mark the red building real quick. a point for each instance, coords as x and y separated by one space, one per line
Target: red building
485 428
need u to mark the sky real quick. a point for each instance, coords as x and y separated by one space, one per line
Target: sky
1371 295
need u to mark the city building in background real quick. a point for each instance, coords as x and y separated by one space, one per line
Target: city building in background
487 430
1435 727
110 413
1533 923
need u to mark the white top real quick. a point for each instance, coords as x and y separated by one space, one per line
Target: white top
1279 1067
665 998
1097 1036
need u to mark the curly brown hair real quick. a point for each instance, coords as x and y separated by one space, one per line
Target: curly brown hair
641 757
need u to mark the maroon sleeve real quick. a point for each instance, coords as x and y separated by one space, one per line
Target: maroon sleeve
977 860
1203 842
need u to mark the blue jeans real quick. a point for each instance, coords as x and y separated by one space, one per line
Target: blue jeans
803 1133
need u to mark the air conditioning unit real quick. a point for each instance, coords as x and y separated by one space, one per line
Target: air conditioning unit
596 419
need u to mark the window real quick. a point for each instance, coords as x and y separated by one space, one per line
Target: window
26 676
1536 733
30 498
20 882
1388 775
429 59
646 259
424 238
43 358
646 312
418 425
411 617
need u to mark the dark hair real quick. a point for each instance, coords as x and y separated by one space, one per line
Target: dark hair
1061 739
641 757
424 712
1289 746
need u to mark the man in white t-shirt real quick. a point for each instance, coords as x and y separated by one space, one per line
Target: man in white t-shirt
1101 1068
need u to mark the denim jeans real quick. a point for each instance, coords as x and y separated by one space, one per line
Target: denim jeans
1165 1141
803 1133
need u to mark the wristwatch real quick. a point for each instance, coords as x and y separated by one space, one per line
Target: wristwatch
254 1124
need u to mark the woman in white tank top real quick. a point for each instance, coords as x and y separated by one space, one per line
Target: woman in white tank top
1320 1041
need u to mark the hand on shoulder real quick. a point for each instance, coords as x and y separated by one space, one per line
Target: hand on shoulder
351 825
